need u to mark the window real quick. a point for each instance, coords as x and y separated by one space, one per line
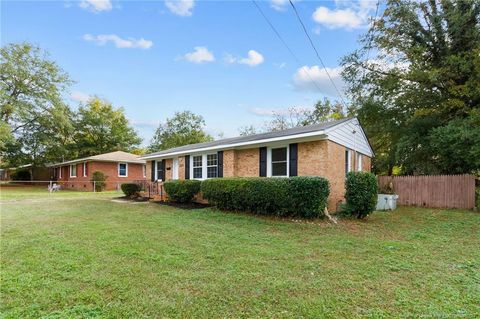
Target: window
197 166
212 162
73 170
122 169
144 170
84 169
359 162
348 167
279 161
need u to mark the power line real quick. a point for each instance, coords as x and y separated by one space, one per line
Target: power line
316 52
285 43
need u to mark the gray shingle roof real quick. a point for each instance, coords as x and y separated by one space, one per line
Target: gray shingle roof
250 138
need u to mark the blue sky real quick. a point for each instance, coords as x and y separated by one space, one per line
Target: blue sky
218 59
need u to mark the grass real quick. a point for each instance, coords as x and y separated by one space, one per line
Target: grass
82 255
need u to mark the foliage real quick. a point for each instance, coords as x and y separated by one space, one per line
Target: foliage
417 71
361 194
101 128
99 178
182 191
34 121
182 129
21 175
130 189
294 196
477 197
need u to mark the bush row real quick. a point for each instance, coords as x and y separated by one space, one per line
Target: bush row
294 196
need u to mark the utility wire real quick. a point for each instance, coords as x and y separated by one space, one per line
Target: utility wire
316 52
285 44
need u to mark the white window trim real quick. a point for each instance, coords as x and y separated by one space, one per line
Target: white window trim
204 165
144 170
73 176
60 173
175 168
84 169
349 160
269 160
126 170
359 162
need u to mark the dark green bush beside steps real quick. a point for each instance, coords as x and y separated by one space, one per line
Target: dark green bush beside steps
304 197
130 189
182 191
361 194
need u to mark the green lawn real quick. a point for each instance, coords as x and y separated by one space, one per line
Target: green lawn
81 255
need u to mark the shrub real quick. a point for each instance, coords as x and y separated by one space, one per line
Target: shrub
130 189
361 194
99 179
294 196
21 175
182 191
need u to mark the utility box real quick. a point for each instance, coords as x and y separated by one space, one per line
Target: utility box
387 202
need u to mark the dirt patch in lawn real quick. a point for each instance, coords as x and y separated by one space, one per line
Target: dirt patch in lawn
192 205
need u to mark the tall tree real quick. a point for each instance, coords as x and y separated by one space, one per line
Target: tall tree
418 70
31 106
182 129
101 128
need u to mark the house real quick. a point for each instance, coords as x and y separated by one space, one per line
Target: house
329 149
119 167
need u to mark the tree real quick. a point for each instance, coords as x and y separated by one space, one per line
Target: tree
101 128
182 129
418 70
32 111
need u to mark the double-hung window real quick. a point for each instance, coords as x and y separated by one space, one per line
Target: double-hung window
212 163
279 161
84 169
204 166
348 158
359 162
122 169
73 170
197 162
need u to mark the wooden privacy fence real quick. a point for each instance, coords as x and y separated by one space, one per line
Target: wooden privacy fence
436 191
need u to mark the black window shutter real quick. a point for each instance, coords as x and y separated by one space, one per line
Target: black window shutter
153 171
187 166
263 161
220 164
293 159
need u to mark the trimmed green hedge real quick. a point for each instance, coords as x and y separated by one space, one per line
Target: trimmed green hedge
361 194
130 189
182 191
294 196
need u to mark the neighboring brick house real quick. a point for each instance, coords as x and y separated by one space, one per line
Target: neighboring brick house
119 167
328 149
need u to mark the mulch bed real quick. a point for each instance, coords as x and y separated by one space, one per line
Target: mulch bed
136 199
184 205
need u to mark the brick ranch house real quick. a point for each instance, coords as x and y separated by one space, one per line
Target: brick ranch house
329 149
119 167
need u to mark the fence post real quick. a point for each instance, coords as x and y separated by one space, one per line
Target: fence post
94 187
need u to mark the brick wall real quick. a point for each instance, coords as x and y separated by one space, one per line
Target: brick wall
110 169
247 162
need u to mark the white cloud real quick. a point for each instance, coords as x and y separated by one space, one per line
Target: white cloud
280 111
181 8
199 55
119 42
278 5
302 79
79 96
254 58
347 15
96 5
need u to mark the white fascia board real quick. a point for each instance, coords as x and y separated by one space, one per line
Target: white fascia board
290 138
